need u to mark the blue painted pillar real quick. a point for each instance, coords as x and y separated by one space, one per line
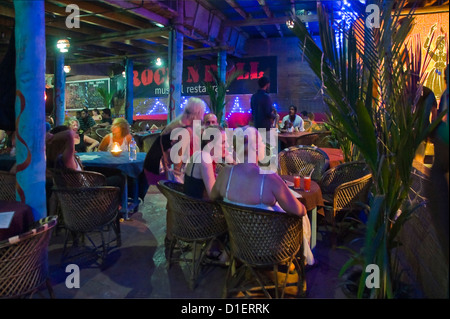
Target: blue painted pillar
30 104
175 74
129 91
222 72
59 89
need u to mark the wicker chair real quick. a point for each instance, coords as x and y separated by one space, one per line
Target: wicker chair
24 261
345 188
7 186
319 139
88 210
302 159
259 240
194 221
101 132
73 178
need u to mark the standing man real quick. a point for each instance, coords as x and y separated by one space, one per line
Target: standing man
261 104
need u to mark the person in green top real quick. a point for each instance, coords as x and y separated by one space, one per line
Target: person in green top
86 121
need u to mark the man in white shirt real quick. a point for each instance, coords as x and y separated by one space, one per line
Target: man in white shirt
293 120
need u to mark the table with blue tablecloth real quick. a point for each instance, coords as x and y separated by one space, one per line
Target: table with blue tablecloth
129 168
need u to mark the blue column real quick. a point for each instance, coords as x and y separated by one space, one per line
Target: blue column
129 91
59 89
30 105
222 71
175 74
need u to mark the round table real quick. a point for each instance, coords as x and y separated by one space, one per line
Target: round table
313 202
335 154
287 139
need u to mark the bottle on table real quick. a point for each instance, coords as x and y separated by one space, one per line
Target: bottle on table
132 150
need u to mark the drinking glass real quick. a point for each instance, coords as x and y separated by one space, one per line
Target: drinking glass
307 183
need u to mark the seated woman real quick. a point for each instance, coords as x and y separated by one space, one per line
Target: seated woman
83 143
199 176
248 184
120 133
61 154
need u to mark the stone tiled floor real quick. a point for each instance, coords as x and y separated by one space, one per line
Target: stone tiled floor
138 268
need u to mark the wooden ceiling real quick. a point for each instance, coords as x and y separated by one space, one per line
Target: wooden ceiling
111 30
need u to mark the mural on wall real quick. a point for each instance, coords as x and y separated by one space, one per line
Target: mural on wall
432 29
84 93
438 53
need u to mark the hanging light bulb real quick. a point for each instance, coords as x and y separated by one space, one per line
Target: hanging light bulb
63 45
67 68
158 62
290 24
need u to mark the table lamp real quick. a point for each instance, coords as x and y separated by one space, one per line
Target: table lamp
116 150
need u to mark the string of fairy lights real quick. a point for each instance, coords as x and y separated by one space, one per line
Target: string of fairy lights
159 107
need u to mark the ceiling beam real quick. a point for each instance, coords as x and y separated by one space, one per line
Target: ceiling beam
117 58
269 14
140 11
268 21
121 36
111 13
94 20
246 16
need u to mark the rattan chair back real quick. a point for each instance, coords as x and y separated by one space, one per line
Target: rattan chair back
101 132
262 239
193 219
353 194
24 261
7 186
73 178
86 209
342 173
148 141
303 159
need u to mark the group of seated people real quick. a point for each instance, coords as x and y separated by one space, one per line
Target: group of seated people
65 141
243 181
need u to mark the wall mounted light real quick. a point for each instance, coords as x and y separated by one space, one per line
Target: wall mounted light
158 62
67 68
63 45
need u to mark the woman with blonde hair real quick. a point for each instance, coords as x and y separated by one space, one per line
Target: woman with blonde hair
159 154
120 133
83 143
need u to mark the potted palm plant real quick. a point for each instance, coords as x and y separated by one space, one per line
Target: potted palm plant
372 80
217 91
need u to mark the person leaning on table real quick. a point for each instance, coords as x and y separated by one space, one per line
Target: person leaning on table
247 185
